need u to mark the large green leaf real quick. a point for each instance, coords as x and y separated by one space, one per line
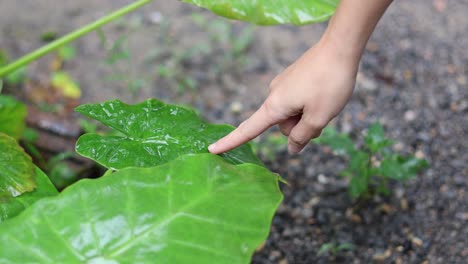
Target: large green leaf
153 133
196 209
267 12
16 169
10 207
12 116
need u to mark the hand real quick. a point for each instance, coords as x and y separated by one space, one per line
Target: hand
302 99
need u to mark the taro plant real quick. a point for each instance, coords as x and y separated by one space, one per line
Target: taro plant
164 199
21 182
168 201
372 166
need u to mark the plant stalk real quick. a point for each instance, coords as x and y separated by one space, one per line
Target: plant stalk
69 37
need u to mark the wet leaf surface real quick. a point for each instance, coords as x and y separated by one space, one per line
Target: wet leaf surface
152 133
197 204
266 12
10 207
16 169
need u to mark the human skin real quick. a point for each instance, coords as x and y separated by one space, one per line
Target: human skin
313 90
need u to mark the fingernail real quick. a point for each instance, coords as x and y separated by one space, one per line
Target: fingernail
212 147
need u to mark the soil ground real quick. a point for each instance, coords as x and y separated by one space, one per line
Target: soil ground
413 79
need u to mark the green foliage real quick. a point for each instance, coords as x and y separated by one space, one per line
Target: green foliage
153 133
370 167
16 77
340 143
195 209
222 49
401 168
265 12
375 139
63 82
269 145
16 169
10 207
120 59
66 53
60 172
12 116
335 248
49 36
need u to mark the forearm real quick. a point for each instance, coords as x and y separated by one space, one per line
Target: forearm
351 26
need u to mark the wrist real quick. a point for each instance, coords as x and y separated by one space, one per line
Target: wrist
335 48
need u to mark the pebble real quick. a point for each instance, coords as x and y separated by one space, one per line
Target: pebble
307 213
417 241
236 107
419 154
283 261
322 179
352 216
404 204
382 256
462 216
155 18
409 116
386 208
398 146
314 201
364 83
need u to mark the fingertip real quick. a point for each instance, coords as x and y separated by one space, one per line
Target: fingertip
292 149
212 148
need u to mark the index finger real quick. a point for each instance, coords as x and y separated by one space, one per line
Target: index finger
249 129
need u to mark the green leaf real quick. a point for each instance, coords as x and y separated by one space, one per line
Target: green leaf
63 82
16 169
402 168
196 209
17 77
375 139
345 246
264 12
325 248
10 207
153 133
66 52
340 143
359 170
12 116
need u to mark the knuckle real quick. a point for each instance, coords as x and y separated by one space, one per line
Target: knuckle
315 124
273 83
297 141
270 108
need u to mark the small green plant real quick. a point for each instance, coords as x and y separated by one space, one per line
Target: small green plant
335 248
269 145
121 61
371 166
16 77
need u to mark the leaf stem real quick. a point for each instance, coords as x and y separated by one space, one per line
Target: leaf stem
69 37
